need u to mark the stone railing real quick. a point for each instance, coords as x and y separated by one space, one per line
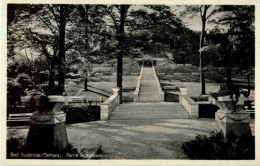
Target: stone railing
161 93
137 88
188 103
109 105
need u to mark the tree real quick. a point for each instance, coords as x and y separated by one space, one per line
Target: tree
43 31
205 15
155 26
61 15
239 21
89 33
149 28
118 14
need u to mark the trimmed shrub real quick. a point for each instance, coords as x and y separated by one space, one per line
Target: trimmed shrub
76 114
171 97
207 110
216 146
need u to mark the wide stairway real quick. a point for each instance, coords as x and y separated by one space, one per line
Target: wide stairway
149 105
148 89
139 111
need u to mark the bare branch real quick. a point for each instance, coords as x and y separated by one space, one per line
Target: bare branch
54 14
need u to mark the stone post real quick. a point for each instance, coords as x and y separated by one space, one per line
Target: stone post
115 92
104 111
183 92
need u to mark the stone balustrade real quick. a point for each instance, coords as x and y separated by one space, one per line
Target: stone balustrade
161 93
188 103
137 88
109 105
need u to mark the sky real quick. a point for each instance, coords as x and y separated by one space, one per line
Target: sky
192 23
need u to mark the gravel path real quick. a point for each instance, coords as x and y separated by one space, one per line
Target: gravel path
134 139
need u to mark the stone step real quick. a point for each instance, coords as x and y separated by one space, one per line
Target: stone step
144 100
148 81
160 104
151 109
170 110
129 116
159 112
149 98
148 93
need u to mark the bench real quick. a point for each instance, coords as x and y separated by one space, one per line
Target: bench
177 74
96 100
134 74
19 119
170 88
251 108
195 73
160 74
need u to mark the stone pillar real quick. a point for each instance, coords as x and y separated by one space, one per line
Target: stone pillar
183 92
115 92
47 131
104 111
194 109
229 121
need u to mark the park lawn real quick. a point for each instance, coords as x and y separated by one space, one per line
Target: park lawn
127 70
194 88
101 69
113 78
177 69
107 86
129 82
72 88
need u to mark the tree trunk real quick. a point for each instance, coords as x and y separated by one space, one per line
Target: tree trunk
203 32
86 84
248 83
61 49
51 76
121 51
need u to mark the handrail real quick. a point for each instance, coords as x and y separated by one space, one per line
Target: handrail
161 93
109 105
188 103
137 89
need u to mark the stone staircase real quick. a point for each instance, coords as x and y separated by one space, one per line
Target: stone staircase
141 111
148 89
149 105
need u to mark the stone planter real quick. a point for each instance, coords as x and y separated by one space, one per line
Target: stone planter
229 121
47 131
225 104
